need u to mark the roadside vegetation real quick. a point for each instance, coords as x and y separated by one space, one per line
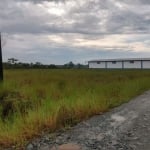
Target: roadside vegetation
32 101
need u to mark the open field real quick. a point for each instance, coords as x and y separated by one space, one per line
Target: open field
36 100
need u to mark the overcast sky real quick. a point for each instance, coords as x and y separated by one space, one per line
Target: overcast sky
59 31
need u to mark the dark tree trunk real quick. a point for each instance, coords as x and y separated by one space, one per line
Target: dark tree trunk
1 61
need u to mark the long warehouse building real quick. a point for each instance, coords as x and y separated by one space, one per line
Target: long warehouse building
129 63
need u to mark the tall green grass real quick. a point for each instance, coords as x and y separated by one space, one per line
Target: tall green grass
39 100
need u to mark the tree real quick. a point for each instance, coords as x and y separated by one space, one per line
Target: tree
79 65
12 60
52 66
1 61
71 64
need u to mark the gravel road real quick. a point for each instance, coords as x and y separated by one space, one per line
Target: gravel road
124 128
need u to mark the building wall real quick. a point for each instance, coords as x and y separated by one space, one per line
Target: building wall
136 64
116 65
146 64
96 65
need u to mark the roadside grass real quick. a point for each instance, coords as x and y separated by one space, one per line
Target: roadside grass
33 101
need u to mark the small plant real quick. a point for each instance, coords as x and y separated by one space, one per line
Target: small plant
13 103
65 116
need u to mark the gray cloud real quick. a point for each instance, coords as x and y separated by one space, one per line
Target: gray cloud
93 17
71 21
128 22
41 1
136 2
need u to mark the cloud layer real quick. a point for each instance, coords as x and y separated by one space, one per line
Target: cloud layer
71 28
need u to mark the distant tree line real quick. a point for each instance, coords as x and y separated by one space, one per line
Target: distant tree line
13 63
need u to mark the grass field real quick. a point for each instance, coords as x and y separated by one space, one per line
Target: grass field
39 100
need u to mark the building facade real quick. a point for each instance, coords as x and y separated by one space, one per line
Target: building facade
130 63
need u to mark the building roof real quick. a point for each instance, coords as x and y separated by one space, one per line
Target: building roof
120 59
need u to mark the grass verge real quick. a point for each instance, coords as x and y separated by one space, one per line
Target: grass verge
38 100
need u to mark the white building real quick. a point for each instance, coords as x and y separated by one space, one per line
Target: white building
129 63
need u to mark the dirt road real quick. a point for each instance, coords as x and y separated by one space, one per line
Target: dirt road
124 128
